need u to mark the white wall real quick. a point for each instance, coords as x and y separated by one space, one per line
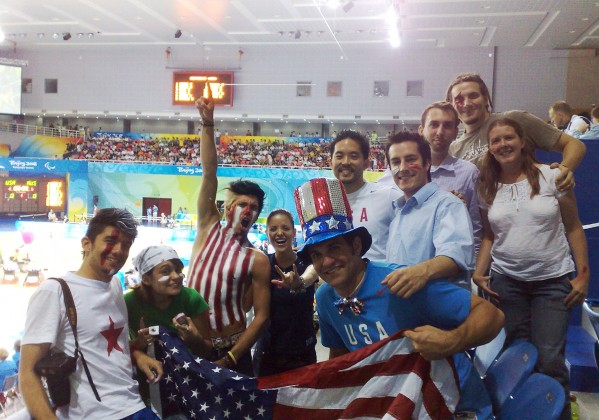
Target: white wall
138 80
529 79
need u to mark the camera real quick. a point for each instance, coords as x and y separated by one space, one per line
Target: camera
56 368
181 319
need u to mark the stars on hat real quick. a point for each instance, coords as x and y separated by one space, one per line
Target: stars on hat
315 226
348 225
332 223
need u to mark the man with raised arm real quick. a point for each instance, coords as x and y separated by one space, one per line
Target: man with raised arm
224 264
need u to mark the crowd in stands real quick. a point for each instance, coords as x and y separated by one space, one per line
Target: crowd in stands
235 151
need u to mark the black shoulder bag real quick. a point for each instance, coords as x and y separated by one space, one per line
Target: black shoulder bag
57 366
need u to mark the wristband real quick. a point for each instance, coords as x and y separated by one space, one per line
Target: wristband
232 357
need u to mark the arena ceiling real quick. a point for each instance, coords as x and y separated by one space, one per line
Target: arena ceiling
226 26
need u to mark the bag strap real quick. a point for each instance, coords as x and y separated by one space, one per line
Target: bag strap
69 303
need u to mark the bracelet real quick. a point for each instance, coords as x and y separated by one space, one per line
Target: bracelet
207 123
231 357
300 289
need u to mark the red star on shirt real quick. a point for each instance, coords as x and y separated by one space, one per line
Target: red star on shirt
112 335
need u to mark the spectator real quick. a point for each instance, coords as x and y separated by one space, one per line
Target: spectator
289 340
531 233
101 318
470 97
7 367
431 231
160 298
593 132
355 310
563 118
371 203
17 356
242 279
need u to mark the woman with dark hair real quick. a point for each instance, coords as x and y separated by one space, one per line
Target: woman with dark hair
289 340
531 231
161 298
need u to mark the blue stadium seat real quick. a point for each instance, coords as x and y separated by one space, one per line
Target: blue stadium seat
484 356
513 366
539 397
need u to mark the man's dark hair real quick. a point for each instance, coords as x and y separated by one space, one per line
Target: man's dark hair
118 218
470 77
424 149
355 136
242 187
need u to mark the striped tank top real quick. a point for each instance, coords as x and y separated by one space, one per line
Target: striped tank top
219 272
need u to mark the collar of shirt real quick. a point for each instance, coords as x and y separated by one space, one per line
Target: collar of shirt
447 164
420 197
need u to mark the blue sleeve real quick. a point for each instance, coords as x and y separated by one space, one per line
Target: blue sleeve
452 234
448 305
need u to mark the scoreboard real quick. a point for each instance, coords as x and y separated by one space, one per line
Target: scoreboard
32 195
189 86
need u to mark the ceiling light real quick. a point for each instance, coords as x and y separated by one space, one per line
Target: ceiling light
178 33
41 35
66 36
55 35
90 35
80 35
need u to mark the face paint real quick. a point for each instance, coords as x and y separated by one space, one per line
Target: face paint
414 166
163 279
395 170
237 214
114 235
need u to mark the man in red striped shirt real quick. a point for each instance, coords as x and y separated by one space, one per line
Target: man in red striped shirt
225 267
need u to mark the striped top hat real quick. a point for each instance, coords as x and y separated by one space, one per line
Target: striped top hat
324 213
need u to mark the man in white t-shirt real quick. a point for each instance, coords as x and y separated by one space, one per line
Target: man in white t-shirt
371 203
563 118
102 331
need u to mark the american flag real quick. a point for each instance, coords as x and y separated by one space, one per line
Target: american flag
384 380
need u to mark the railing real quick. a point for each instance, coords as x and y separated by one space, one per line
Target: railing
39 130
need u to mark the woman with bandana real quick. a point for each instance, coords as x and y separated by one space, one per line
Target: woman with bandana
161 298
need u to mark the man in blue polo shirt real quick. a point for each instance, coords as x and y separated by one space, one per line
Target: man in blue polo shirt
356 308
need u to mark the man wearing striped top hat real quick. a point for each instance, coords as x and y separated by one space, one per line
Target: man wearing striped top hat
356 308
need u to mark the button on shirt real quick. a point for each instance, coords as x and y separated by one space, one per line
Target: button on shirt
432 222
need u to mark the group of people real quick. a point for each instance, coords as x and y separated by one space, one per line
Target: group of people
236 152
394 255
581 126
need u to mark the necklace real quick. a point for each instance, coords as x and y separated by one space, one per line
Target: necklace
354 304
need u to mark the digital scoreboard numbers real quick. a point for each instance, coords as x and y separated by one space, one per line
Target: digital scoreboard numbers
23 195
189 86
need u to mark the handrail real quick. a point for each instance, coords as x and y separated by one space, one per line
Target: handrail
9 127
